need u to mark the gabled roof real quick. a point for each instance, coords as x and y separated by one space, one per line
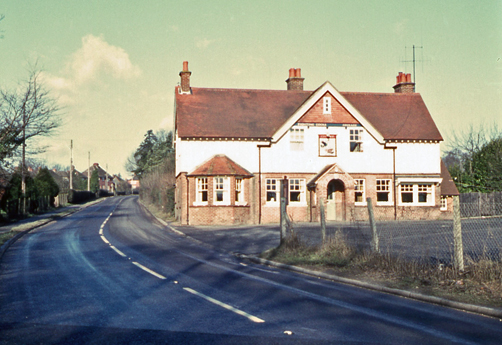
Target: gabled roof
220 165
268 114
448 187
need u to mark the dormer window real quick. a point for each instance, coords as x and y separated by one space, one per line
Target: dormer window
326 105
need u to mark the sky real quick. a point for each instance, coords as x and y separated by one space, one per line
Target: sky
113 65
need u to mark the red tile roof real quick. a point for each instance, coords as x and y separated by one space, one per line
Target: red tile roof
235 113
397 116
448 187
252 114
220 165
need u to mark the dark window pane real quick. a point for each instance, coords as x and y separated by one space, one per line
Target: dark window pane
383 196
407 197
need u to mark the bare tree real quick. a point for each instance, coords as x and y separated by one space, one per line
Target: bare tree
27 112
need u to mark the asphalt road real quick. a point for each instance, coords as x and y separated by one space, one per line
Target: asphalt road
110 274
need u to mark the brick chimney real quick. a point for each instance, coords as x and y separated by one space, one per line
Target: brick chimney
404 83
295 80
185 78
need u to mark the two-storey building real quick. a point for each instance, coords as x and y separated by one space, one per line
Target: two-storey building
235 148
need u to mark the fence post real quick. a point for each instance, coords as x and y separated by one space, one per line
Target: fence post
323 220
374 241
457 235
284 224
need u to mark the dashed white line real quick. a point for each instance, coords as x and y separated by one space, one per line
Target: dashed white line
104 239
149 270
224 305
118 251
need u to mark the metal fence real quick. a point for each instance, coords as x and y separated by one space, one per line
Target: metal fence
424 240
481 204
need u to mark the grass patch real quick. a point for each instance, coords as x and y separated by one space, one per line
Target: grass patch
5 236
480 283
158 211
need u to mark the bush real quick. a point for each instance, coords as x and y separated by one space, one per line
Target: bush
79 196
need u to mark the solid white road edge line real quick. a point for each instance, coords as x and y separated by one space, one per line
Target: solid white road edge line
224 305
149 270
118 251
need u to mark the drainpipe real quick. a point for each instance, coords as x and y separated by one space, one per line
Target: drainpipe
394 181
259 179
188 200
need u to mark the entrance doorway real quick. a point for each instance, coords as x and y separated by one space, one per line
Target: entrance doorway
335 200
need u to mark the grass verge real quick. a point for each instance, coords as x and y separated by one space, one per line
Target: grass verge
480 283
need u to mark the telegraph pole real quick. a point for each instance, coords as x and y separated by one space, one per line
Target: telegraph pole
71 164
89 172
23 164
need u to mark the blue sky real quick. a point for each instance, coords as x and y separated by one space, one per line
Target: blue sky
114 64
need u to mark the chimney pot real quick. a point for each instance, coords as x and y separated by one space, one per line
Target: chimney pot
295 81
185 79
404 83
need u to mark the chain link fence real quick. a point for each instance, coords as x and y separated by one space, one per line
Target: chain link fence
429 241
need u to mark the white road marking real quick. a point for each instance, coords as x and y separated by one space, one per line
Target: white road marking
104 239
224 305
118 251
149 270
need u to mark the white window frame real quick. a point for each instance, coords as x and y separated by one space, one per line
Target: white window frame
326 105
384 186
221 187
417 191
201 186
296 138
356 140
239 190
297 185
272 185
327 145
443 203
360 188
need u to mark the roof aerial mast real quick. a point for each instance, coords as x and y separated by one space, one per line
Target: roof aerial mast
414 61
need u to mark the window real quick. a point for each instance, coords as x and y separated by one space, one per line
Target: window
238 190
359 191
383 191
444 203
326 105
327 145
272 190
418 194
296 191
201 190
407 193
424 193
296 139
221 193
356 144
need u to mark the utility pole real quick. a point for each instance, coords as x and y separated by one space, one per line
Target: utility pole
106 178
71 165
89 171
23 164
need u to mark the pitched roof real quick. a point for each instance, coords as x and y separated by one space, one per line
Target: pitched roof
220 165
253 114
235 113
448 187
397 116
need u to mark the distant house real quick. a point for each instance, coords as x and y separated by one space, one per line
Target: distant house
106 181
134 183
238 150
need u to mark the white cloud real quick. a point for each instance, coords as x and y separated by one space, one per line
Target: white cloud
96 57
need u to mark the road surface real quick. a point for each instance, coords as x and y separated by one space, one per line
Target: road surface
111 274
